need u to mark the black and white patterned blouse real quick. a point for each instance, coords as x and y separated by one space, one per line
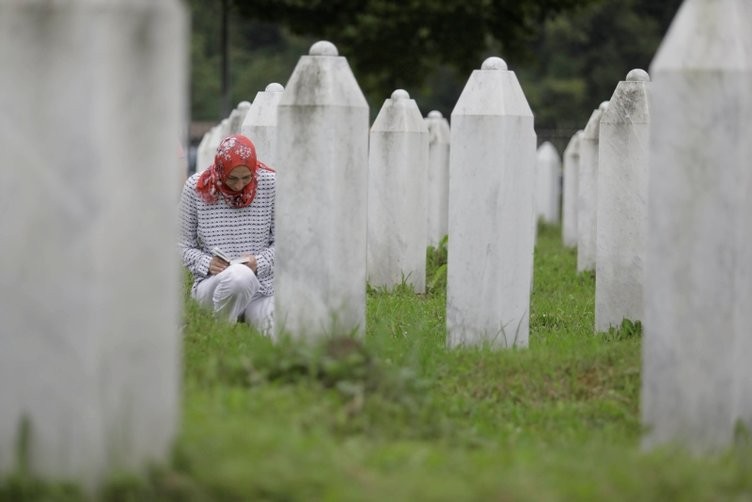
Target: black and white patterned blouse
236 231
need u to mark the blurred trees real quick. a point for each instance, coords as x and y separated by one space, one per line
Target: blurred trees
396 44
260 53
568 54
581 56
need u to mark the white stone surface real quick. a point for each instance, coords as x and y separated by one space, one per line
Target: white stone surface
622 204
491 211
322 189
223 131
204 152
205 156
697 376
587 193
569 190
90 291
201 150
260 123
547 183
397 195
323 48
438 176
237 116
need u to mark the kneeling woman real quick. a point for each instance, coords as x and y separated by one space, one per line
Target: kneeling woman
228 210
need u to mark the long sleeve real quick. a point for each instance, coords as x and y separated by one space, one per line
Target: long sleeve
236 231
194 258
265 259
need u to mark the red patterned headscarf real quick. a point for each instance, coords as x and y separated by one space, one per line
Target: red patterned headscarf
234 151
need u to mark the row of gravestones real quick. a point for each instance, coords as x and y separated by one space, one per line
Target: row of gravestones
396 172
409 173
657 199
258 120
89 354
605 200
325 255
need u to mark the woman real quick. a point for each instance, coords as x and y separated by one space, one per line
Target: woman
227 234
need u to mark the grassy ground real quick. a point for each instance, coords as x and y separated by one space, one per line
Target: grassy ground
400 417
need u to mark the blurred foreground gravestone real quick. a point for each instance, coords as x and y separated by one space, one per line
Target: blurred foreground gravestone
569 191
697 376
492 215
322 193
90 291
622 203
397 190
438 176
260 123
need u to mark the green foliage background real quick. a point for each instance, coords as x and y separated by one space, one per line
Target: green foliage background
568 54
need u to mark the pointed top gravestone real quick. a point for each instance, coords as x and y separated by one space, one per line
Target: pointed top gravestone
260 123
397 209
207 148
621 205
223 130
638 75
438 176
201 150
322 194
569 192
237 116
216 134
697 378
491 219
587 197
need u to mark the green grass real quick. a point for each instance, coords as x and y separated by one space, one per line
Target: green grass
400 417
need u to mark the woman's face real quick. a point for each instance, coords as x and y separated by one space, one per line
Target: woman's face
238 178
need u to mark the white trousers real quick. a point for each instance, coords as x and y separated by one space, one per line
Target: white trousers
234 292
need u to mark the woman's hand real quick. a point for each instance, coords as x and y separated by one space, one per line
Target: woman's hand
252 262
216 265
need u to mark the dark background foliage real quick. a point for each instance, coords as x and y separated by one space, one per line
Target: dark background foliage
568 54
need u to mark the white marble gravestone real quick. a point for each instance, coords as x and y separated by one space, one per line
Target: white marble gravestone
622 203
237 116
90 287
697 375
260 123
223 130
201 149
569 191
547 183
205 156
491 211
397 195
587 191
438 176
322 190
